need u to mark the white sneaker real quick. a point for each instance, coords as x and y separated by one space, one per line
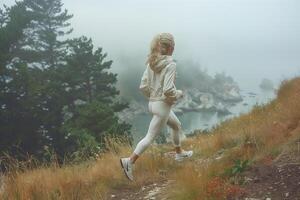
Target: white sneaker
127 167
182 155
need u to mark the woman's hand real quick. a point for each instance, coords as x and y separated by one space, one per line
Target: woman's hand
180 94
172 99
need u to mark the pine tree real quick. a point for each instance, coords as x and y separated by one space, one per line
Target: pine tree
13 21
30 55
88 81
87 72
54 94
19 122
46 32
44 48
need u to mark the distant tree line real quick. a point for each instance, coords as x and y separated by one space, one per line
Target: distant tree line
56 94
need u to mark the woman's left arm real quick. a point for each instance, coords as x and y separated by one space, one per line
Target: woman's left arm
144 87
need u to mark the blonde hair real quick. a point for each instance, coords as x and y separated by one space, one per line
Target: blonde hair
160 45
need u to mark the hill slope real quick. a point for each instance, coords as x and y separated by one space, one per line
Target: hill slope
233 161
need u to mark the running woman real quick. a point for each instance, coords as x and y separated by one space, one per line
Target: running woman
158 86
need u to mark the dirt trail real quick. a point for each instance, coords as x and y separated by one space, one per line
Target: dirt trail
278 179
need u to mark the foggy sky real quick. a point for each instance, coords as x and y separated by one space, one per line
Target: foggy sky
248 39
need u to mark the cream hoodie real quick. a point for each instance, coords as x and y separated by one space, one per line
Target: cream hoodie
158 81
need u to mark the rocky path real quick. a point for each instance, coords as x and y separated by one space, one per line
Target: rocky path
153 191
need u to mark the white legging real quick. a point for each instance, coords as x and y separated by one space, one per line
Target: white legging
162 114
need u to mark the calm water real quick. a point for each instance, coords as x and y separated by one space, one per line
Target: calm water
205 120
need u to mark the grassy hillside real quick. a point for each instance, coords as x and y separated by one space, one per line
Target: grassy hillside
212 173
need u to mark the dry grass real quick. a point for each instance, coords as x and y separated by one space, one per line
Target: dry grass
87 181
91 180
254 136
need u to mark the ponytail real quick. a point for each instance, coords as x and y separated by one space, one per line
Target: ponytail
159 46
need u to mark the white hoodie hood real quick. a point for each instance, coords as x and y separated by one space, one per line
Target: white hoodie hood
161 63
158 81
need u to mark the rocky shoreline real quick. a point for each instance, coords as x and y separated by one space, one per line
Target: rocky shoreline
194 100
